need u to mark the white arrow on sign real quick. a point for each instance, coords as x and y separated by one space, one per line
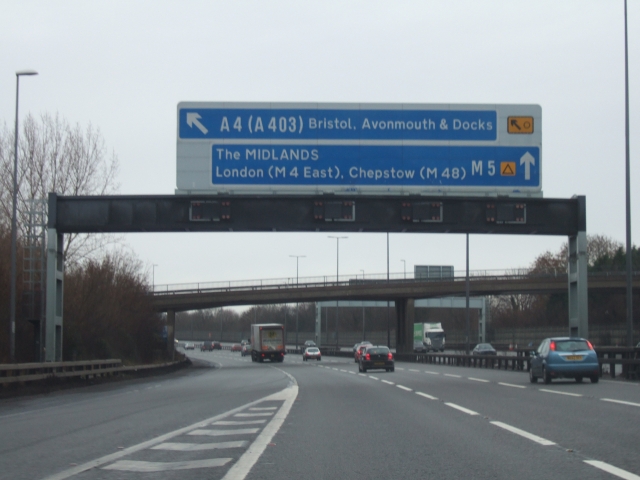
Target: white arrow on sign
527 160
193 118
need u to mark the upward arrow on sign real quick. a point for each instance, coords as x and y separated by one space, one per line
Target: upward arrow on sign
527 160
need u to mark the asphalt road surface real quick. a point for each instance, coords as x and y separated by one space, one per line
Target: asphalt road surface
228 418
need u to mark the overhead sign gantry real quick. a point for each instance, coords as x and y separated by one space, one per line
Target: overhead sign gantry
353 148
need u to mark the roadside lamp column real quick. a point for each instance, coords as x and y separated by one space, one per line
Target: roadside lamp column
297 257
363 329
153 277
337 278
14 227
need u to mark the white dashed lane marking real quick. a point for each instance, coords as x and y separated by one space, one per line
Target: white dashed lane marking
618 472
404 388
510 385
462 409
478 380
452 375
621 402
558 392
425 395
522 433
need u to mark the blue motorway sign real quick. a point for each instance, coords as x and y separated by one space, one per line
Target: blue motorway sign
332 124
382 166
285 148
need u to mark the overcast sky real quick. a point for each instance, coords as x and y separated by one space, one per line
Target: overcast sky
125 65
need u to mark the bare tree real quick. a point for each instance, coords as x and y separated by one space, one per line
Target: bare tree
54 156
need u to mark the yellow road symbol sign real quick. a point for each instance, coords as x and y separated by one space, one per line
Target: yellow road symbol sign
520 124
508 169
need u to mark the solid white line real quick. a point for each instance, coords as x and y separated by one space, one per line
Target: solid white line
241 422
620 401
265 414
462 409
560 393
426 396
220 433
522 433
193 447
478 380
388 382
510 385
431 373
148 444
452 375
138 466
262 408
404 388
618 472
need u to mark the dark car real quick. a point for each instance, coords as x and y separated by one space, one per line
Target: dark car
564 357
307 344
418 347
483 349
217 346
376 358
206 346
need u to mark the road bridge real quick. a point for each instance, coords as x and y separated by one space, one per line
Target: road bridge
402 292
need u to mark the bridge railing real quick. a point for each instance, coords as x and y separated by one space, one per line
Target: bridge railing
358 279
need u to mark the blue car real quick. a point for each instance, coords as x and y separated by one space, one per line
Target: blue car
564 357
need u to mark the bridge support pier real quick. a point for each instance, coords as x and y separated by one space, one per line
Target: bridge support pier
406 316
578 298
171 328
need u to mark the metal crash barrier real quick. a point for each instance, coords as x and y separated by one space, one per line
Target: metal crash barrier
21 373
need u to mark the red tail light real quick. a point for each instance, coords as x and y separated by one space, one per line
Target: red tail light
590 346
367 357
552 346
390 356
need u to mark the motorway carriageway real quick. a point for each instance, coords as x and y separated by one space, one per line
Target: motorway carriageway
325 420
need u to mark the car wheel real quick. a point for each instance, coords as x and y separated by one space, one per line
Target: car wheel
364 369
532 377
393 369
546 376
594 379
578 379
318 358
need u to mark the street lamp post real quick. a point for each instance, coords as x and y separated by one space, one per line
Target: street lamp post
153 277
363 329
337 278
14 227
405 268
297 257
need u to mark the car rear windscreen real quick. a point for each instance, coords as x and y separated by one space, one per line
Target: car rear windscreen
378 350
571 345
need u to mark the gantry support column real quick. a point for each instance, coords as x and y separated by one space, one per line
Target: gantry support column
55 280
406 315
578 299
171 328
